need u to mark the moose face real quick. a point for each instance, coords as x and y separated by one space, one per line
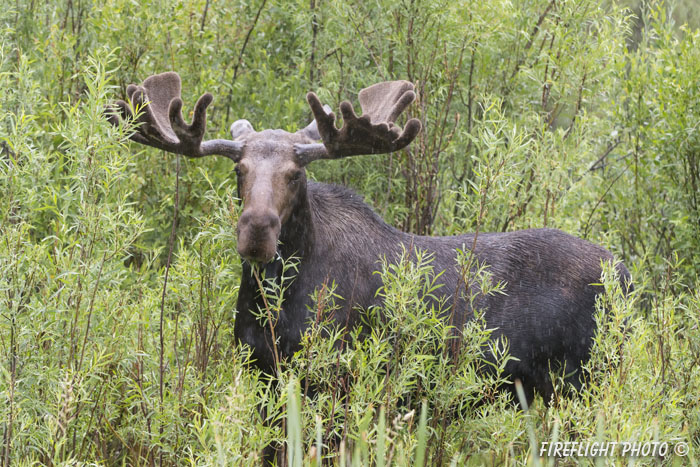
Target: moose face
271 183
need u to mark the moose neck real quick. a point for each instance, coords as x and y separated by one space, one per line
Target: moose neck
296 236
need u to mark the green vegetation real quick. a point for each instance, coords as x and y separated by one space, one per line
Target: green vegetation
572 114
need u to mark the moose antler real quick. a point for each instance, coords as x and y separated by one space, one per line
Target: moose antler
372 133
162 125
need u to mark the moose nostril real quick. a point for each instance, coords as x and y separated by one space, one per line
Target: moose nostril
259 221
272 221
245 218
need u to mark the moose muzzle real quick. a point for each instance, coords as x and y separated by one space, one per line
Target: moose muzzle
258 231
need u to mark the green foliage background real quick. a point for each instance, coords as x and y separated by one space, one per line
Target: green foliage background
581 115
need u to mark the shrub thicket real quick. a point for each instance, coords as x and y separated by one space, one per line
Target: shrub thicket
575 114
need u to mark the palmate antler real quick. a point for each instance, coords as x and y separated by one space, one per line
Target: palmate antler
161 122
372 133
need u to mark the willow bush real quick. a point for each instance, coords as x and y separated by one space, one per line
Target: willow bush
118 265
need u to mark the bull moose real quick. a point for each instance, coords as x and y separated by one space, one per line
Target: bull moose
546 311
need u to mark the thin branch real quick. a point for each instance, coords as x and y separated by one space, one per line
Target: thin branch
204 16
600 200
269 318
533 34
611 148
240 57
171 241
578 104
89 315
314 33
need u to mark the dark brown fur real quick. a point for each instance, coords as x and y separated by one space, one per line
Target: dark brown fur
546 313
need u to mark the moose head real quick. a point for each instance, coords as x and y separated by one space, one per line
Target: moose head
270 164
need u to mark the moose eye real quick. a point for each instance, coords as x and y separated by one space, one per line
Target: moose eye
295 176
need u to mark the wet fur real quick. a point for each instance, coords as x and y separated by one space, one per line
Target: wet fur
546 313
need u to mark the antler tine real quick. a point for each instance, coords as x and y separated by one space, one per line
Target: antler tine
384 102
372 133
162 125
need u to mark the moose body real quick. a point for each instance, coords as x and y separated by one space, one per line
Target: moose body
546 312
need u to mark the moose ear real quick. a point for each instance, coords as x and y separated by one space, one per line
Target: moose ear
311 131
240 128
